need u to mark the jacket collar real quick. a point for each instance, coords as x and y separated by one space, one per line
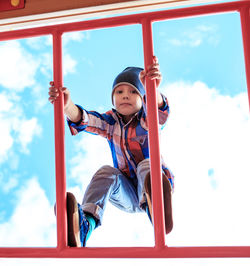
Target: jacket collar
118 117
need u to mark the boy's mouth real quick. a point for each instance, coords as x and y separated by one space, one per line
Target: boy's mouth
125 104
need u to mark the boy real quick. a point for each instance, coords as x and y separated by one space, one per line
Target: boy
127 184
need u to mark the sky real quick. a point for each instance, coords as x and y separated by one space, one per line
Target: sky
205 142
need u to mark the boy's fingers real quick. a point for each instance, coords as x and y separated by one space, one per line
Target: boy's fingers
153 67
142 76
57 89
155 59
53 89
154 72
155 77
53 94
63 89
51 99
52 84
142 73
155 64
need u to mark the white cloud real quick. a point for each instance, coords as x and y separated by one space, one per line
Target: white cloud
76 36
121 229
91 151
69 64
46 67
10 184
32 222
15 127
9 180
5 103
206 143
40 94
45 62
196 36
6 141
17 66
39 42
27 130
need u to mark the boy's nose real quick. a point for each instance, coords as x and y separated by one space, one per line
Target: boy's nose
125 95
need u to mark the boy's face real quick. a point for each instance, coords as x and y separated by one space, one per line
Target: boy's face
127 101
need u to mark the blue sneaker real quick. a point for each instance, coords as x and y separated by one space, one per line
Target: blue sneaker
78 225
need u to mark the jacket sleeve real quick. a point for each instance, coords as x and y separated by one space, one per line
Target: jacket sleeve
163 112
93 122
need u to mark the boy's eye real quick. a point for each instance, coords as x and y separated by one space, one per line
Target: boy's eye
134 91
119 91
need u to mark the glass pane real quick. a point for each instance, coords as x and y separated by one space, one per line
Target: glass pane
27 144
92 60
206 142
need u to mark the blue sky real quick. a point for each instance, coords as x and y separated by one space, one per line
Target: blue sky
205 143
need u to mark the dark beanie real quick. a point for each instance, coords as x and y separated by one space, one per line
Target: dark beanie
130 75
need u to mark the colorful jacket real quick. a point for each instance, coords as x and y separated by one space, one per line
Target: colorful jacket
128 142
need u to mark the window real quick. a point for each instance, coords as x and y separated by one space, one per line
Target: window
200 88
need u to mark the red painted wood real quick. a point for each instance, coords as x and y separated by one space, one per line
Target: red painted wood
7 5
245 25
59 129
154 149
129 252
127 20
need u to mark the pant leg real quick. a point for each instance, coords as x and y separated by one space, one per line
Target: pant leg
124 195
109 183
143 168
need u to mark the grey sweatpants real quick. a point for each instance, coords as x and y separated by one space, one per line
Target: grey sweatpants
109 183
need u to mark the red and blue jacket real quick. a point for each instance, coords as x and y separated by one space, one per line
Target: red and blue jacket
128 142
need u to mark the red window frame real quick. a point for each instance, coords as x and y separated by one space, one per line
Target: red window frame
160 250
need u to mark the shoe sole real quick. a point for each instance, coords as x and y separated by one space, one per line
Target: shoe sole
73 221
167 199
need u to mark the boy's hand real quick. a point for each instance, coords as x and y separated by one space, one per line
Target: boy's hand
54 94
152 72
70 109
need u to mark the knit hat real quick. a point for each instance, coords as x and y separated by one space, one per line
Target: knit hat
130 76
